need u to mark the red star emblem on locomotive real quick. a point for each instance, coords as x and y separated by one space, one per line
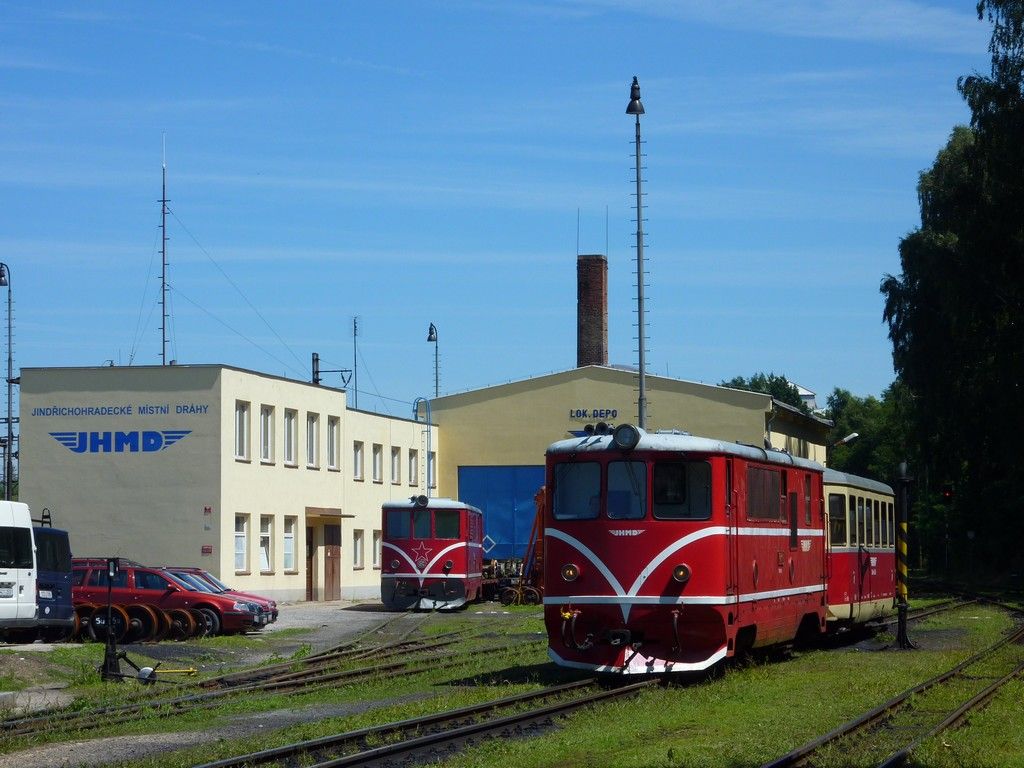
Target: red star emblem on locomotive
422 552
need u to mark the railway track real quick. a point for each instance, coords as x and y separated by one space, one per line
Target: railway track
319 671
438 735
886 735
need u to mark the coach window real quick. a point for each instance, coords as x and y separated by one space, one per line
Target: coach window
878 523
837 519
863 531
853 522
577 493
885 524
446 524
421 523
398 523
627 490
892 531
681 491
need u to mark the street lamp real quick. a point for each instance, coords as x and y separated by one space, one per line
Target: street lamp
5 280
432 337
842 441
637 109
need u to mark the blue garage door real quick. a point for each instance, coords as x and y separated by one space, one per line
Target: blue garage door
505 496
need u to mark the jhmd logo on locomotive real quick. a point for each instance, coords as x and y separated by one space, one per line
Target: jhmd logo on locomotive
144 441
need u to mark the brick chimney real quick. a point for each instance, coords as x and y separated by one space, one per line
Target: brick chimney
591 310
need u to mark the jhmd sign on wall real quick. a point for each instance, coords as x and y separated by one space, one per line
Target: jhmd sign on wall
144 441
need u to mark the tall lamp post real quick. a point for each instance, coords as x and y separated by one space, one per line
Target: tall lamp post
416 417
5 280
637 109
432 337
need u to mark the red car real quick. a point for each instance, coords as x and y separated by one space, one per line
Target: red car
138 585
267 613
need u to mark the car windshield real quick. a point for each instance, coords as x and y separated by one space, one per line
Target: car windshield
184 584
195 582
204 581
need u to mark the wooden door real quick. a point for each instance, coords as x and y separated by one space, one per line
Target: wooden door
310 564
332 562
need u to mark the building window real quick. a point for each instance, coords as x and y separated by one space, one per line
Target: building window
357 460
378 463
241 430
431 469
241 543
396 465
414 467
376 549
357 549
266 540
288 547
267 433
313 440
333 440
290 436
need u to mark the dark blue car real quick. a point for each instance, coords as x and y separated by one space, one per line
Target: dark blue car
53 583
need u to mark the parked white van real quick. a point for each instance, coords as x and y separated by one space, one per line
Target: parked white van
18 611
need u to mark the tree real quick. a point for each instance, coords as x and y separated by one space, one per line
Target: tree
956 312
778 387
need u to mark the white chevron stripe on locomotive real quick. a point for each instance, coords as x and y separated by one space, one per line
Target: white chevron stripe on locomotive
626 599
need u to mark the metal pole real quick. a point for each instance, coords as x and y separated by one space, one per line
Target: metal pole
902 515
636 108
9 453
426 461
437 387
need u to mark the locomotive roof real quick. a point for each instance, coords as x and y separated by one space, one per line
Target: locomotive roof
834 477
432 503
682 441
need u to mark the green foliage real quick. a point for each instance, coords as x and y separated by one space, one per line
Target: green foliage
778 387
956 318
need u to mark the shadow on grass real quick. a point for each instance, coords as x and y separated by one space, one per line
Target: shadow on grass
539 674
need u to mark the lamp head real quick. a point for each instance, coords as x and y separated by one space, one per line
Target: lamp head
432 333
635 107
4 278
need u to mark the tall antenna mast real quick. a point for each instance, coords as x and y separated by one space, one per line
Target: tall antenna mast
163 257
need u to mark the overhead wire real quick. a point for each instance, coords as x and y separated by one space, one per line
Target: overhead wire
239 290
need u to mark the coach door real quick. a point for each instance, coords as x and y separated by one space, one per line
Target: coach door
332 562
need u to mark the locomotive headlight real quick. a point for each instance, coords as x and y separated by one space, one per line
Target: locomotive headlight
448 565
570 572
394 564
681 573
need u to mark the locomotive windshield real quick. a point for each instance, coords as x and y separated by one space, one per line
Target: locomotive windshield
446 524
627 490
398 523
577 493
678 490
421 523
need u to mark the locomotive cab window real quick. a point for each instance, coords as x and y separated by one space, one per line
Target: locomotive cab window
577 492
398 523
682 491
627 490
446 524
421 523
764 494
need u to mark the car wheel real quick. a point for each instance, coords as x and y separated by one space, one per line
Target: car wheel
212 621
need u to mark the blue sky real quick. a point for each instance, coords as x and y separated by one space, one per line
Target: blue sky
410 163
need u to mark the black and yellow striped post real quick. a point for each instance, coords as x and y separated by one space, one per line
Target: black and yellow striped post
902 516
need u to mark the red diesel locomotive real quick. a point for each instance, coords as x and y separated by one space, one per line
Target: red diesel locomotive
432 553
666 552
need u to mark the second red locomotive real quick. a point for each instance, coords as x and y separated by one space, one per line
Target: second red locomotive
432 554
